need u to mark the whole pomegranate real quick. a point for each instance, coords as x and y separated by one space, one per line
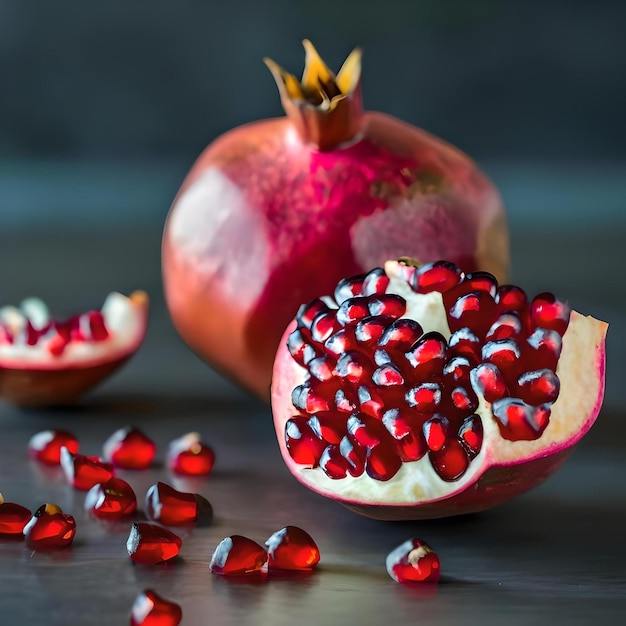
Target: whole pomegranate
277 211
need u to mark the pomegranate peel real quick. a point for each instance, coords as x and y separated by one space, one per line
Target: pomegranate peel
493 450
45 361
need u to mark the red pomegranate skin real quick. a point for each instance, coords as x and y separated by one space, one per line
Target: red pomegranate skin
267 219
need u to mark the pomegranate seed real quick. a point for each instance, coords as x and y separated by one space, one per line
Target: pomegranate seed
474 310
129 448
406 429
488 381
387 375
371 403
299 346
303 445
340 342
464 399
504 353
305 398
354 454
150 609
428 355
520 421
45 446
450 462
170 507
507 326
463 342
83 472
382 357
5 335
13 518
413 561
333 463
354 367
401 335
457 370
238 556
481 281
545 348
383 462
548 312
370 329
471 435
97 327
292 548
352 310
345 401
511 298
49 528
538 387
327 427
437 276
436 432
375 282
424 398
190 456
112 500
149 544
323 326
348 288
323 367
367 431
388 305
309 311
56 344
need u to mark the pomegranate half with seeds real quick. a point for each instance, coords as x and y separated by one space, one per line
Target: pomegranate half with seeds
44 361
421 392
266 201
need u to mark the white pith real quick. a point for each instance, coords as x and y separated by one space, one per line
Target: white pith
581 374
124 319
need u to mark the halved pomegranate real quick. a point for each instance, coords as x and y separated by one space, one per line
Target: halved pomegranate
421 392
45 361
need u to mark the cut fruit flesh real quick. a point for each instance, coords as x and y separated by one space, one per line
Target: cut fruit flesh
45 362
501 468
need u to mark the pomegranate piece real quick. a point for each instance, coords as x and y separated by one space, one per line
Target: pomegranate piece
112 500
45 446
151 609
83 472
190 456
238 556
46 361
149 544
291 548
13 518
49 528
170 507
413 561
129 448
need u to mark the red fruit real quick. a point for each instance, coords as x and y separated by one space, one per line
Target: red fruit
190 456
426 431
83 472
170 507
413 561
150 609
129 448
13 518
112 500
149 544
274 213
46 445
45 361
292 548
238 556
49 528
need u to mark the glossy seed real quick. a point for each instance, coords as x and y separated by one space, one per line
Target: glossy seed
112 500
437 276
424 398
413 561
49 528
150 609
45 446
171 507
190 456
149 544
129 448
291 548
238 556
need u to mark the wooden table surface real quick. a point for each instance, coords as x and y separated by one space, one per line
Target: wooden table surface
556 554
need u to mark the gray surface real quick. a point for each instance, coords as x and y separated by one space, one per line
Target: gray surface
555 554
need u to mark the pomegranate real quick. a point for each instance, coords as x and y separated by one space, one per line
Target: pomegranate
45 361
267 201
419 392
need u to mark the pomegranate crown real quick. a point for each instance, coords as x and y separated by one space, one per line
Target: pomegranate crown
324 107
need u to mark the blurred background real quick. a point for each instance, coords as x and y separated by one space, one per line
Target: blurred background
105 105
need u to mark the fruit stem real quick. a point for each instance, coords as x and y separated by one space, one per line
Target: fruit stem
325 109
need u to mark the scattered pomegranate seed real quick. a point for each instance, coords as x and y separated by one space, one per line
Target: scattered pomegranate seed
112 500
237 556
170 507
292 548
45 446
49 528
150 609
13 518
413 561
129 448
149 544
189 456
83 472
